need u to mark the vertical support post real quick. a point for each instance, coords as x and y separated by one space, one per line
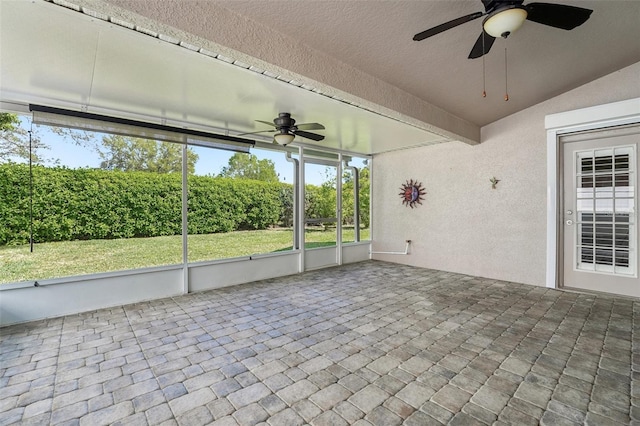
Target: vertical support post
339 210
371 228
31 190
296 199
185 222
300 222
356 199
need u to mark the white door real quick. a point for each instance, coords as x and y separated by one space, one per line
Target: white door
599 220
322 227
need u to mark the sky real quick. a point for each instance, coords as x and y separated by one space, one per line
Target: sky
210 161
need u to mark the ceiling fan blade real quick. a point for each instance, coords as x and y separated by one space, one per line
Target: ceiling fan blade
310 126
446 26
477 50
309 135
266 122
259 131
557 15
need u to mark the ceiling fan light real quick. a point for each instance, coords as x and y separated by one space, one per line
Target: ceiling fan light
505 22
284 138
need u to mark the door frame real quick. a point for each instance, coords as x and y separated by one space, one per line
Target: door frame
592 118
323 257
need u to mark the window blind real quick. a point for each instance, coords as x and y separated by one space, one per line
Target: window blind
58 117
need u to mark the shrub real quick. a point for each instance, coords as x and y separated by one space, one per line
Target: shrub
71 204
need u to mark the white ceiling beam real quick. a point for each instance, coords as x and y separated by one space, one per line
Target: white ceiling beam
205 24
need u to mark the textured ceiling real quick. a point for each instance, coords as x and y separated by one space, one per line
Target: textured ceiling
362 75
57 57
376 37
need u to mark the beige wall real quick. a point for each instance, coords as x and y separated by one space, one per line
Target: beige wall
465 226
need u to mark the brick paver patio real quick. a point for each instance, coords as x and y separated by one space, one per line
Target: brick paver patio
370 343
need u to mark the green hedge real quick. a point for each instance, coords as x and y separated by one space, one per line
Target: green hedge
71 204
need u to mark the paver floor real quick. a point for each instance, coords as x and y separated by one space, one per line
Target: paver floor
369 343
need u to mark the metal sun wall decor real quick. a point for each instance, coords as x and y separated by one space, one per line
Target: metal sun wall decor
412 193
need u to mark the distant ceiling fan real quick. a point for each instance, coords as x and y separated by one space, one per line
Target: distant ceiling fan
505 16
286 129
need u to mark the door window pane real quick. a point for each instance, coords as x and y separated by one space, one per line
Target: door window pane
349 200
605 205
320 205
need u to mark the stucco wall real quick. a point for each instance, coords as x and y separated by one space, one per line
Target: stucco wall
465 226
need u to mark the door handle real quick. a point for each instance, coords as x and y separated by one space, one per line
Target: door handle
569 222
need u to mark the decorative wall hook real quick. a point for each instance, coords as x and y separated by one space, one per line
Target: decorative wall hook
494 182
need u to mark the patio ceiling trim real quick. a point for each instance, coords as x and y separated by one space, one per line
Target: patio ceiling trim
406 108
122 126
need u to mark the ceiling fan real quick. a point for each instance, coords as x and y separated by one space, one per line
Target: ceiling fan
286 129
505 16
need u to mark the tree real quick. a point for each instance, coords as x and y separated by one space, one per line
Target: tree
247 166
137 154
14 140
365 196
9 121
326 195
286 197
327 200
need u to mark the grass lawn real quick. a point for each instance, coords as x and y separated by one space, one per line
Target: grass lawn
67 258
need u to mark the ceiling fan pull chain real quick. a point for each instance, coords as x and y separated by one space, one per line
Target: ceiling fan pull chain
506 91
484 75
